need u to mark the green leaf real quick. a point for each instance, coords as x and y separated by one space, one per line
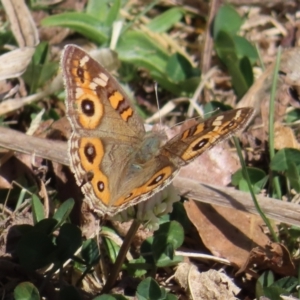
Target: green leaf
225 47
283 158
113 13
171 297
138 48
163 22
222 23
294 232
160 247
41 54
46 226
35 250
259 289
149 55
246 70
166 261
258 179
22 229
146 251
183 88
83 23
99 9
26 291
239 69
40 70
292 174
292 116
64 211
90 252
37 209
68 241
288 160
148 289
170 232
69 292
245 49
111 247
137 267
106 11
266 286
179 68
274 292
166 239
266 279
288 283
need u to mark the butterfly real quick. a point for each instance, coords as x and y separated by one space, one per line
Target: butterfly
115 161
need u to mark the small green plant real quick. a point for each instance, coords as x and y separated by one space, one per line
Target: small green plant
41 69
268 287
235 52
173 72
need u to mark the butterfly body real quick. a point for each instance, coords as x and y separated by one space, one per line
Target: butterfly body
116 163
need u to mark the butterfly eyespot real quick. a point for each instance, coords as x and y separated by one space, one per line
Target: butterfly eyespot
88 107
100 186
231 124
156 180
200 145
90 152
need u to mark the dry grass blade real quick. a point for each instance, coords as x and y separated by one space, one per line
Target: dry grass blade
21 22
26 35
15 62
11 105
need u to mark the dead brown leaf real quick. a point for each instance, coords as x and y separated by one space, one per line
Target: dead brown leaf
227 233
272 256
284 137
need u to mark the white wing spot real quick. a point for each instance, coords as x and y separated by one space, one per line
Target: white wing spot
219 118
93 86
103 77
238 114
102 81
217 123
84 60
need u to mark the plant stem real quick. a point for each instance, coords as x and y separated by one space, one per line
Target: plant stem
121 256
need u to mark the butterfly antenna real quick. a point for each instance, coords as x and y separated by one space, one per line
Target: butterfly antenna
157 103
